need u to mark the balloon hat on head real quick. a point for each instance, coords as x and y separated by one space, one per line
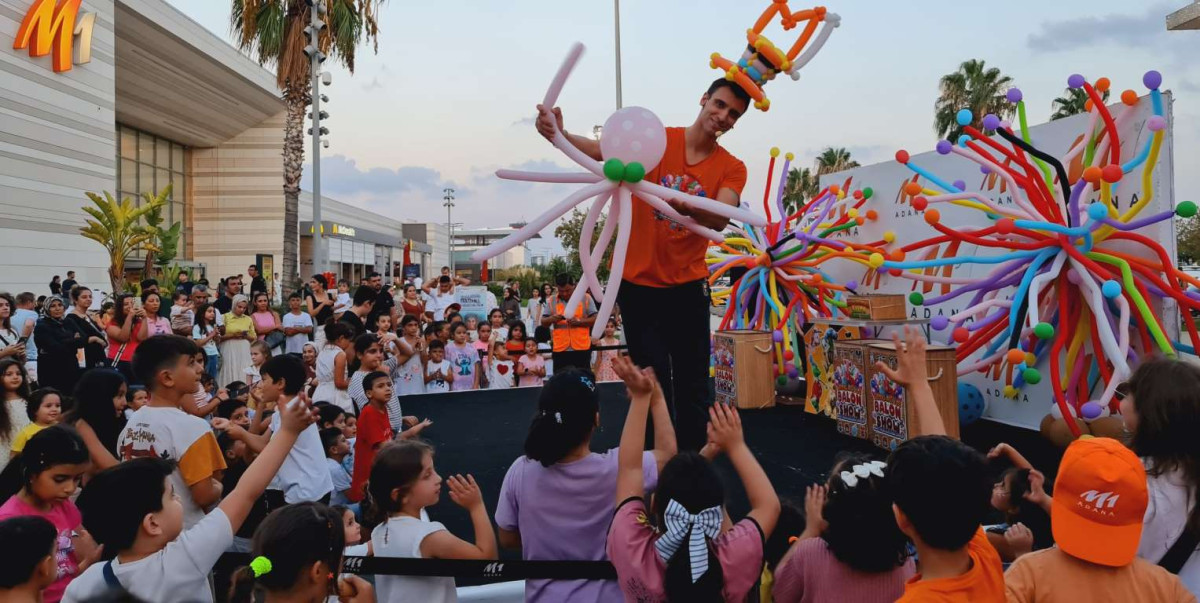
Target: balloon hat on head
633 144
1082 274
762 60
783 286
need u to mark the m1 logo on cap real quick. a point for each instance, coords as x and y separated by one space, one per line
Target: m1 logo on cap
50 26
1096 501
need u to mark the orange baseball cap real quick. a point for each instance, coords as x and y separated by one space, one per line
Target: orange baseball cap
1099 501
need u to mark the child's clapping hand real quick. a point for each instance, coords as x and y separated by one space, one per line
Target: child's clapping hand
465 492
814 507
297 415
910 359
639 382
725 427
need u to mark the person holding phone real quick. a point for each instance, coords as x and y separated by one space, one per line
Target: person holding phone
127 319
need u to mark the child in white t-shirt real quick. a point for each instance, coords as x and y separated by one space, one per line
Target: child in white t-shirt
438 372
132 509
343 301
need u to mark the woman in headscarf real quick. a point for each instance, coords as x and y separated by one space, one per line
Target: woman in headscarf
58 345
235 342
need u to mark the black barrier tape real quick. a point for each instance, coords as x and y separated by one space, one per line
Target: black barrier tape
497 570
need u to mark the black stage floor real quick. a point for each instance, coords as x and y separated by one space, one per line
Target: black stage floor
483 432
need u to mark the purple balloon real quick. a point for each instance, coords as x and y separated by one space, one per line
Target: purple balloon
1014 95
985 169
960 185
1156 123
852 285
1076 81
944 146
1152 79
1073 276
991 121
792 371
1090 410
777 336
939 323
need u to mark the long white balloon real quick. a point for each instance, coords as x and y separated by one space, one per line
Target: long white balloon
708 205
554 177
831 21
681 219
618 266
529 230
590 280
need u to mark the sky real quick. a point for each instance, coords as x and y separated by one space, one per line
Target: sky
449 97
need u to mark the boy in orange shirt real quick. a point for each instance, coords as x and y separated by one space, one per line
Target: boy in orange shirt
1096 516
941 493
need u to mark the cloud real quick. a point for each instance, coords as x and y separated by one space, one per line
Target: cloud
524 121
1146 31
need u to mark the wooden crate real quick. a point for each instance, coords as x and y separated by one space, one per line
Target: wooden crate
848 377
876 307
742 368
890 416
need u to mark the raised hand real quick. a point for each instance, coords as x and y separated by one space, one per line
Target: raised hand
548 121
639 382
1019 539
465 492
910 358
297 416
814 507
726 426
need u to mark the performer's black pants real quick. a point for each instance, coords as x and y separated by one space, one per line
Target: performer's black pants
668 328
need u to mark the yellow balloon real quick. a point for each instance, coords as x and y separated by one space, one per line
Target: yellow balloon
774 151
852 212
889 236
876 260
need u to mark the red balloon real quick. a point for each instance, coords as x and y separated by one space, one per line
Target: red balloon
1112 173
902 156
961 334
1005 226
894 271
920 203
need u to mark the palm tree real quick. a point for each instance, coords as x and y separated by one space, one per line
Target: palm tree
834 160
976 87
1072 103
801 186
272 32
117 227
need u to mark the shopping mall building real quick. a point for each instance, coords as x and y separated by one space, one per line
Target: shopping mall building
138 98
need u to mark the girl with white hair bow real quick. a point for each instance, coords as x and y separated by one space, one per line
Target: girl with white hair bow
689 556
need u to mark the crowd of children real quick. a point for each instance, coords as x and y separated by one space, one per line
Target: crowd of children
278 470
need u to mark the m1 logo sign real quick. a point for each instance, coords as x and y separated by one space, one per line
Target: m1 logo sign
51 26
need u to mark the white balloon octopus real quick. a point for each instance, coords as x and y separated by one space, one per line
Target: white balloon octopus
633 144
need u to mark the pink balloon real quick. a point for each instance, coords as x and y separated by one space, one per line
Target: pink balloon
634 134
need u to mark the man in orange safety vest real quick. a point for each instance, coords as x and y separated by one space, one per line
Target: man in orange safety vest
571 336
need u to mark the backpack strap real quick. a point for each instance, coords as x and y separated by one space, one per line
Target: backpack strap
110 578
1179 552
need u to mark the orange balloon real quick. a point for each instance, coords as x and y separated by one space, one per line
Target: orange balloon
872 214
897 255
835 189
912 189
1092 174
1102 85
932 216
860 220
1016 356
1129 97
1087 105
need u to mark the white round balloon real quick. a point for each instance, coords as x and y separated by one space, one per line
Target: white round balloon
634 134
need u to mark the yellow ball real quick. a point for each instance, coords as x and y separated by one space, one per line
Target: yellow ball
789 156
1010 391
889 236
774 151
852 212
711 371
876 260
715 55
1030 359
1086 436
848 249
841 194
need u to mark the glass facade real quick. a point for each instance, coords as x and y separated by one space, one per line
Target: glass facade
147 164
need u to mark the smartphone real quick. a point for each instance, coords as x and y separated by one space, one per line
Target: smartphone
22 340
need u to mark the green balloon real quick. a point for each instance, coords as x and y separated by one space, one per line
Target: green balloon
916 298
868 192
1186 209
991 216
1044 330
1032 376
634 172
781 380
614 169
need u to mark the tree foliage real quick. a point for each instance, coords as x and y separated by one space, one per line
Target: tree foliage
1187 241
569 231
1072 102
116 225
974 86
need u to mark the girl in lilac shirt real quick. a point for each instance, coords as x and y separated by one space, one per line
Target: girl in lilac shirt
556 501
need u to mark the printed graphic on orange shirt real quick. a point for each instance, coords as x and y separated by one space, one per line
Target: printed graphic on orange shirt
685 183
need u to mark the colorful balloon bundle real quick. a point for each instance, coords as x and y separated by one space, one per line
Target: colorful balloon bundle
634 145
762 60
1084 278
783 284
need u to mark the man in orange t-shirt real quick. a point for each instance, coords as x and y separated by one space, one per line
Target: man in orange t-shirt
664 296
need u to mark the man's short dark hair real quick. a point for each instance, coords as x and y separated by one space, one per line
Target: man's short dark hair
25 297
150 282
943 487
295 295
27 539
563 278
119 498
362 295
436 344
443 279
374 274
371 377
158 353
737 90
226 409
287 368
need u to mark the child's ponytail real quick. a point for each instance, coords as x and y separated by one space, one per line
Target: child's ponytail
689 490
52 446
565 418
289 541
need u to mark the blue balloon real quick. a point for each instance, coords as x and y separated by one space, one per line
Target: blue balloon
1110 289
970 404
1097 211
964 117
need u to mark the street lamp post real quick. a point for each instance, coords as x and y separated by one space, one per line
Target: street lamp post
617 30
449 204
316 57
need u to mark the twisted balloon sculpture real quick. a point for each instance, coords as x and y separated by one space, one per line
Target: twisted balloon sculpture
1084 278
633 144
783 286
